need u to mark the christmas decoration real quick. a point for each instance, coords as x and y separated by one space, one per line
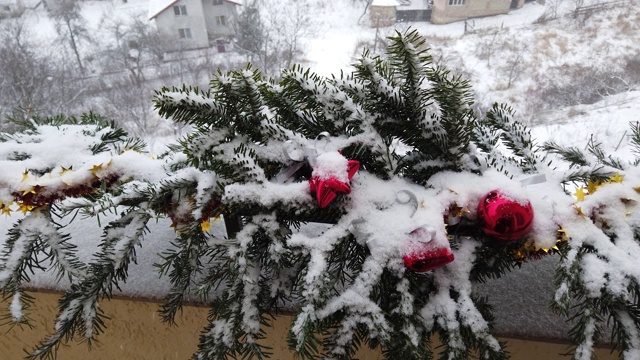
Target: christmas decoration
421 142
423 253
504 218
330 177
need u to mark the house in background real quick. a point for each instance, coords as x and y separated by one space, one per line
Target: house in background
447 11
195 24
383 13
386 12
11 8
414 10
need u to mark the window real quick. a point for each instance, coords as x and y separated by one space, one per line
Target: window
457 2
180 10
184 33
221 21
217 2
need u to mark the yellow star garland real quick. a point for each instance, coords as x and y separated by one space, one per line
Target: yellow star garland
25 208
580 194
5 210
25 175
617 178
95 169
130 149
592 186
65 170
529 250
206 225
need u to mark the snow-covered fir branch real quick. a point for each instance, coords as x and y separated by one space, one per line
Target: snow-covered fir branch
368 205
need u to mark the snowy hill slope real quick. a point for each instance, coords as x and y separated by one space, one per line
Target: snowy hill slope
512 58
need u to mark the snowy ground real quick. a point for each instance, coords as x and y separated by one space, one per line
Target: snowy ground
508 58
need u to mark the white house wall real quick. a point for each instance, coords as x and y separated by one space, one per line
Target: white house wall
443 13
226 9
169 24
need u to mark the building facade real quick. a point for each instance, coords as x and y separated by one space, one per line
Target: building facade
195 24
447 11
387 12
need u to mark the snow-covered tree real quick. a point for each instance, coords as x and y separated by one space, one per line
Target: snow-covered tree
368 204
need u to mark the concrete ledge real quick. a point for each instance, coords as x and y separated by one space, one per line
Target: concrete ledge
135 332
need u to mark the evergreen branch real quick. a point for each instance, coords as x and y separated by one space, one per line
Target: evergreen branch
408 59
248 270
582 175
306 103
109 138
191 106
572 155
18 313
61 252
181 266
595 148
19 257
516 136
635 139
79 312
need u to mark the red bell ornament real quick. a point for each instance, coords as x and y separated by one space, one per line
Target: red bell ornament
504 218
423 253
330 177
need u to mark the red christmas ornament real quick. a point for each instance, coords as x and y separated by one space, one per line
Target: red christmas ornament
504 218
330 177
424 254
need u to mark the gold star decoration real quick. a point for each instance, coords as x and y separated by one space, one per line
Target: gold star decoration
130 149
592 186
29 191
206 225
4 209
65 170
25 175
563 235
580 194
25 208
578 210
96 168
617 178
555 246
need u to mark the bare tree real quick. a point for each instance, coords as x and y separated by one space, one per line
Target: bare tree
133 45
275 33
250 32
514 65
488 45
367 4
71 27
130 106
32 80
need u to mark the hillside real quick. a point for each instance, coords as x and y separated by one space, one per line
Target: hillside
540 59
